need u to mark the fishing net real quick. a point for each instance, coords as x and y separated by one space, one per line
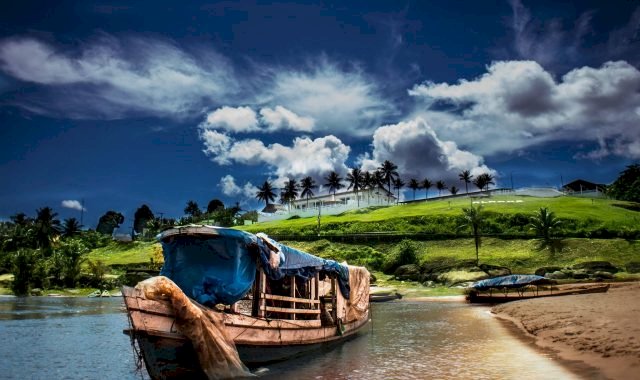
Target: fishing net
215 349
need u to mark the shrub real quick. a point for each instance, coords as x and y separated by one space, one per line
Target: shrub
405 252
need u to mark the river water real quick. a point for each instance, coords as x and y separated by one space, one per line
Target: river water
81 338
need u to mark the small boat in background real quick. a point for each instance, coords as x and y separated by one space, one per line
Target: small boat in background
384 297
227 298
521 287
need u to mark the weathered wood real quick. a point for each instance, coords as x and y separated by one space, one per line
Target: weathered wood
293 296
263 289
290 310
288 299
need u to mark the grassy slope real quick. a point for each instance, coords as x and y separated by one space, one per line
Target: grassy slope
139 252
598 211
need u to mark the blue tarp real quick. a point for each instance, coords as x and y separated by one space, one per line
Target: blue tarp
217 267
510 281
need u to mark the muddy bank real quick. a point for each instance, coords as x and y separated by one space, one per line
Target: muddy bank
600 330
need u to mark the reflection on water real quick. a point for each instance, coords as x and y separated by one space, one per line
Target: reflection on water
423 340
81 338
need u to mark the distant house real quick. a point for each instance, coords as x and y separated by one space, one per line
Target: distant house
581 186
364 197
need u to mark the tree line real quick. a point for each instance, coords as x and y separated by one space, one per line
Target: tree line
384 178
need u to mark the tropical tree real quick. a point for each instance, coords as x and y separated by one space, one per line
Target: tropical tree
389 171
426 185
379 182
192 209
307 185
440 185
24 263
71 227
265 193
73 253
290 191
483 181
414 185
466 177
356 182
334 181
544 222
454 190
47 227
367 183
473 219
214 205
397 185
627 186
142 215
109 222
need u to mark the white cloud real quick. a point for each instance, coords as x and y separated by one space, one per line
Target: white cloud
304 157
518 104
239 119
414 147
281 118
73 204
110 78
230 188
338 100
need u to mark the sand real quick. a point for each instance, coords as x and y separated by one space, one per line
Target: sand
600 330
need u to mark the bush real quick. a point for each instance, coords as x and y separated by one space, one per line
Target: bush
405 252
24 263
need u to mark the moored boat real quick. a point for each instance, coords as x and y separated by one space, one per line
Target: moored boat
521 287
252 294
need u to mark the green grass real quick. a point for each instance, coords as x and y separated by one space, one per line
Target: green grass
579 214
138 252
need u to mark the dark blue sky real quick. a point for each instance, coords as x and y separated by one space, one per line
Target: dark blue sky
156 102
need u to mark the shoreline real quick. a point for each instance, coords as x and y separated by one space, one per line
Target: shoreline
589 333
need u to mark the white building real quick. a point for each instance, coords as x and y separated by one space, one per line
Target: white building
363 198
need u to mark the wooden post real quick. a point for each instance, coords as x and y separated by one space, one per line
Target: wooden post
293 294
263 289
334 301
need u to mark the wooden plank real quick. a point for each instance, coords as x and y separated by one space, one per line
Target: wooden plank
293 295
263 289
289 310
288 299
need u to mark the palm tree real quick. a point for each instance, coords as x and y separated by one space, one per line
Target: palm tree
390 172
488 180
307 184
368 183
265 193
426 185
379 182
334 181
356 182
398 184
473 219
47 227
440 185
465 176
192 209
414 185
453 190
291 190
71 227
544 222
480 182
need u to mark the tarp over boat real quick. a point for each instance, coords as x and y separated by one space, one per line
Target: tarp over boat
218 265
510 281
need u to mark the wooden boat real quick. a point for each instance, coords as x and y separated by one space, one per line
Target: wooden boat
521 287
286 310
384 297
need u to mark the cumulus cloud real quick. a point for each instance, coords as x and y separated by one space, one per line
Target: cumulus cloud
419 153
230 188
517 104
304 157
239 119
110 78
73 204
339 100
280 118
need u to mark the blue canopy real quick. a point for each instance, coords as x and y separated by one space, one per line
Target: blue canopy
217 265
510 281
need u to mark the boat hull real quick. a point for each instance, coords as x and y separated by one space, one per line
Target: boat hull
168 354
509 297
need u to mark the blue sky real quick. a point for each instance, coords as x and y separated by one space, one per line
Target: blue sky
118 104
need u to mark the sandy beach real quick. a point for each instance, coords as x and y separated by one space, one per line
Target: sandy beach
600 330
